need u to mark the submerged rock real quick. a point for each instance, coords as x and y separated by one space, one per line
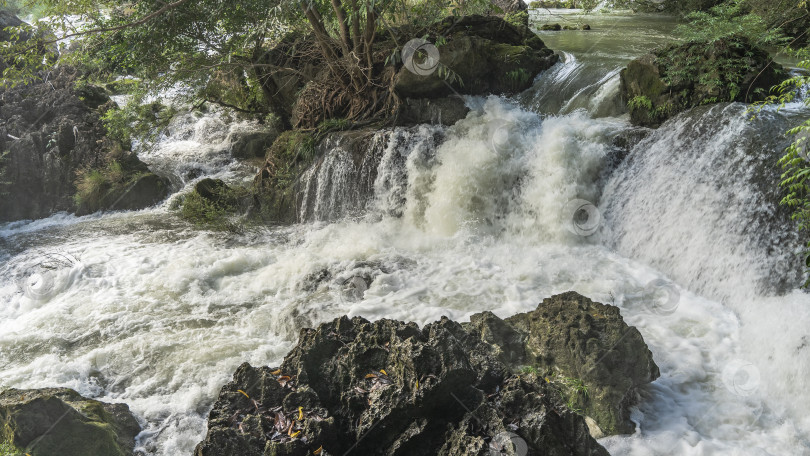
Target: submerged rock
673 79
389 387
59 421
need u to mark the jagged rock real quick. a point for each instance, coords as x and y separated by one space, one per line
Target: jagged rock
578 340
488 54
59 421
551 27
389 387
673 79
52 132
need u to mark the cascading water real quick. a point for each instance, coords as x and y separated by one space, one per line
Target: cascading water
430 221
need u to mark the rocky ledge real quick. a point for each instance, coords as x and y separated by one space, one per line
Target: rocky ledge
59 421
56 155
543 382
675 78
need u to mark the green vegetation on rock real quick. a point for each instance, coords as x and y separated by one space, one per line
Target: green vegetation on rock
681 76
59 421
216 205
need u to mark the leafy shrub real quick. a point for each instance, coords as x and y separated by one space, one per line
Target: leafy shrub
219 211
796 161
728 19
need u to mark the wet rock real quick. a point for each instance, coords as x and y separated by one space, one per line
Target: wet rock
53 133
488 54
389 387
441 111
587 343
53 421
673 79
551 27
585 27
251 144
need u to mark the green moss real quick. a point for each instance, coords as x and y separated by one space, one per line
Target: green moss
219 211
518 19
96 188
8 449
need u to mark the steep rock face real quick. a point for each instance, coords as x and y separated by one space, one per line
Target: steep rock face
389 387
51 132
486 53
673 79
59 421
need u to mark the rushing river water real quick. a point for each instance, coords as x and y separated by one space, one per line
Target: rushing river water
142 308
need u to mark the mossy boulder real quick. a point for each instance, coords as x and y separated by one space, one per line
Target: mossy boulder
580 341
390 387
217 205
487 55
277 184
59 421
673 79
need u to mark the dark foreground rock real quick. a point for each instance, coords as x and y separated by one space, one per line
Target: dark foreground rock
673 79
59 421
488 387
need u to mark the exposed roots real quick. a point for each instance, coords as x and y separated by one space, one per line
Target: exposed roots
321 100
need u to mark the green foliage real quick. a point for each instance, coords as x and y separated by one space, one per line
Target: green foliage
528 370
219 213
565 4
640 102
136 120
517 18
8 449
95 185
573 391
730 18
796 161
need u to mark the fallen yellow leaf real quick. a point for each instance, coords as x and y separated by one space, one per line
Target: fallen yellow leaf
300 413
240 391
276 372
383 371
294 434
318 451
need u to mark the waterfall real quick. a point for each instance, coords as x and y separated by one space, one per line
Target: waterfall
698 199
